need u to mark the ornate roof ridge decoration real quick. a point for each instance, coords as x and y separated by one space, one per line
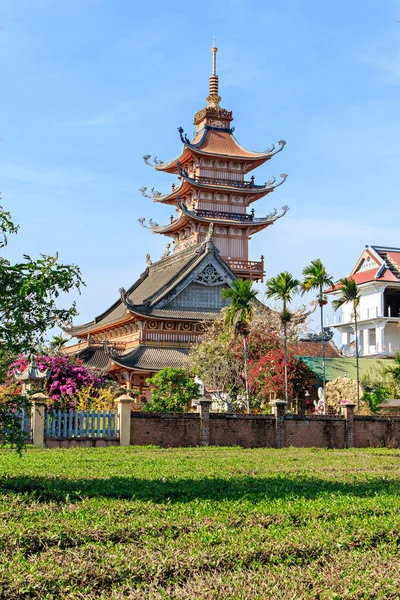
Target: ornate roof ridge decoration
147 158
212 111
269 218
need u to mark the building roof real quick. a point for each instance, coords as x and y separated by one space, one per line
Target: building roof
342 366
158 280
152 358
96 357
312 348
212 141
376 263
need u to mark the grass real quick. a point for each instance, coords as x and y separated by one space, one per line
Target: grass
202 523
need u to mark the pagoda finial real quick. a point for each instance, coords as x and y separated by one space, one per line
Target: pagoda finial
213 99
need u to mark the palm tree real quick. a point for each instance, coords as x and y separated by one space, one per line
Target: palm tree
317 278
238 315
282 287
351 293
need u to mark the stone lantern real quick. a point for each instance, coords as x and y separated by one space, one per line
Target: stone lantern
31 377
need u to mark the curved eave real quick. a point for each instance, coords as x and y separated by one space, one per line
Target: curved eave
98 327
171 227
179 190
256 224
172 165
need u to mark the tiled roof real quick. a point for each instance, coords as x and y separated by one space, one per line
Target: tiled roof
95 358
158 279
223 142
148 358
315 349
366 277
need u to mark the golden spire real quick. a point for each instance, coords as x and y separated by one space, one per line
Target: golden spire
213 99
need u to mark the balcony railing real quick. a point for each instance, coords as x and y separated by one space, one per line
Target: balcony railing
226 182
247 269
218 214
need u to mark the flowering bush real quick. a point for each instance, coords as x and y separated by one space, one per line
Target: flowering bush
267 374
67 377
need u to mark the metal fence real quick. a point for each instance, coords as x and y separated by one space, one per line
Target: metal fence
82 424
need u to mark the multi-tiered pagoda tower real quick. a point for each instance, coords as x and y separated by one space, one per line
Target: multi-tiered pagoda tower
214 188
155 321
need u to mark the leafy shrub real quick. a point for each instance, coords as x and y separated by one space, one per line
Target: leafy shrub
172 390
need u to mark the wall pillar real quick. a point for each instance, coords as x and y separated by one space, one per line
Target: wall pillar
380 338
279 409
38 410
205 405
124 406
365 339
348 413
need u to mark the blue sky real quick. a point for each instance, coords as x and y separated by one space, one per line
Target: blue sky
90 86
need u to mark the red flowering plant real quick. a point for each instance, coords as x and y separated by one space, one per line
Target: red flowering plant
267 374
67 378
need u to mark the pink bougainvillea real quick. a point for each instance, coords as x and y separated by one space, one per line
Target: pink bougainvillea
67 377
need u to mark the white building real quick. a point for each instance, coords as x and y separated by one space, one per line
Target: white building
377 274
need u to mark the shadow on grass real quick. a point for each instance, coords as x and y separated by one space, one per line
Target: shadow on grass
47 489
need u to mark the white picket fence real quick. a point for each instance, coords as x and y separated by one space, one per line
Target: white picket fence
25 417
99 424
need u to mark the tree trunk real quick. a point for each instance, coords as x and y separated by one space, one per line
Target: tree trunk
246 373
357 366
285 361
323 356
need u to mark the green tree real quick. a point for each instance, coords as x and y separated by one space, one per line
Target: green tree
317 278
172 390
216 362
238 316
394 370
376 397
349 292
282 287
28 307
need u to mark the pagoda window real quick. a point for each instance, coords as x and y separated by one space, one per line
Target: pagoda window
235 166
237 199
206 162
200 296
221 164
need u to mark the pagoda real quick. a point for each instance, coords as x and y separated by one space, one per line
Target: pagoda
154 322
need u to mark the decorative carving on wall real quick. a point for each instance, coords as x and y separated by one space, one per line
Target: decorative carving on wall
149 262
209 276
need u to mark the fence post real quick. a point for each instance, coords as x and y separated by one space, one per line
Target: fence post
278 409
124 405
38 411
205 421
348 413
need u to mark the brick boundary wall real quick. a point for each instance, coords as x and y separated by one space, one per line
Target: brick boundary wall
277 430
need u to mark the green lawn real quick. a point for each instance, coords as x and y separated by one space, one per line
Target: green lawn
208 523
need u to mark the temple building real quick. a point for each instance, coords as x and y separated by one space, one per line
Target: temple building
153 323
